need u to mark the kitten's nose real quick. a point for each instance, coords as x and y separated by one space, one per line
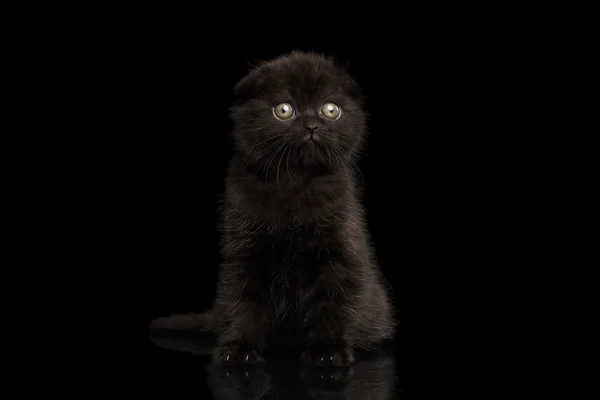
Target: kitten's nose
312 127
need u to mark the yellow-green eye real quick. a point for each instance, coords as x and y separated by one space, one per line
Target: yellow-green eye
283 111
331 110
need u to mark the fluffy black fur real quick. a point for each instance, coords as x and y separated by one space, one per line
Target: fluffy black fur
298 271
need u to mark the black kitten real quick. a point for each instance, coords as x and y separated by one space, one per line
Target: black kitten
298 271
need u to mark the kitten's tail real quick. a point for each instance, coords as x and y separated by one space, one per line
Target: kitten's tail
191 323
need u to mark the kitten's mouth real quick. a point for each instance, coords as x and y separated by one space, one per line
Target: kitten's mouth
312 138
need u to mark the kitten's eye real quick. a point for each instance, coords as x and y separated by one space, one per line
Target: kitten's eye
283 111
331 110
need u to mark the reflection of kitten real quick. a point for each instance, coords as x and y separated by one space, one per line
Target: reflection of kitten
373 379
298 271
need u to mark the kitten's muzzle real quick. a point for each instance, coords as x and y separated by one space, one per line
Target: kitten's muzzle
313 137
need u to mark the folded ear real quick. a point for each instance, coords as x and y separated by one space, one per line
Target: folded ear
247 88
355 91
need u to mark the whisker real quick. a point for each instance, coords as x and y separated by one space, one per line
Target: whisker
288 163
260 145
279 164
271 160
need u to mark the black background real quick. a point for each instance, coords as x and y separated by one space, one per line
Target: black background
433 189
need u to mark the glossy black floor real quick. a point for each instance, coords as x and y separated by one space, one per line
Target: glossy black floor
182 367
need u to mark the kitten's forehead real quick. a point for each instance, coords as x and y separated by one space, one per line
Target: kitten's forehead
306 76
303 75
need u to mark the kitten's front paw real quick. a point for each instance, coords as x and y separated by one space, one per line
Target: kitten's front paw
237 354
328 356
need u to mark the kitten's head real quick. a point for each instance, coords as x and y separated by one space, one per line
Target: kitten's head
301 109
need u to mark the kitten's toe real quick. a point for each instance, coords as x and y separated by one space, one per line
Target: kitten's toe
225 356
342 358
252 357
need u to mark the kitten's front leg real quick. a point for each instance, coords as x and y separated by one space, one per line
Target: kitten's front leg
242 340
328 316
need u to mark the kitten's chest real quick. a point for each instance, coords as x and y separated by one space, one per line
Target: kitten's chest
291 257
